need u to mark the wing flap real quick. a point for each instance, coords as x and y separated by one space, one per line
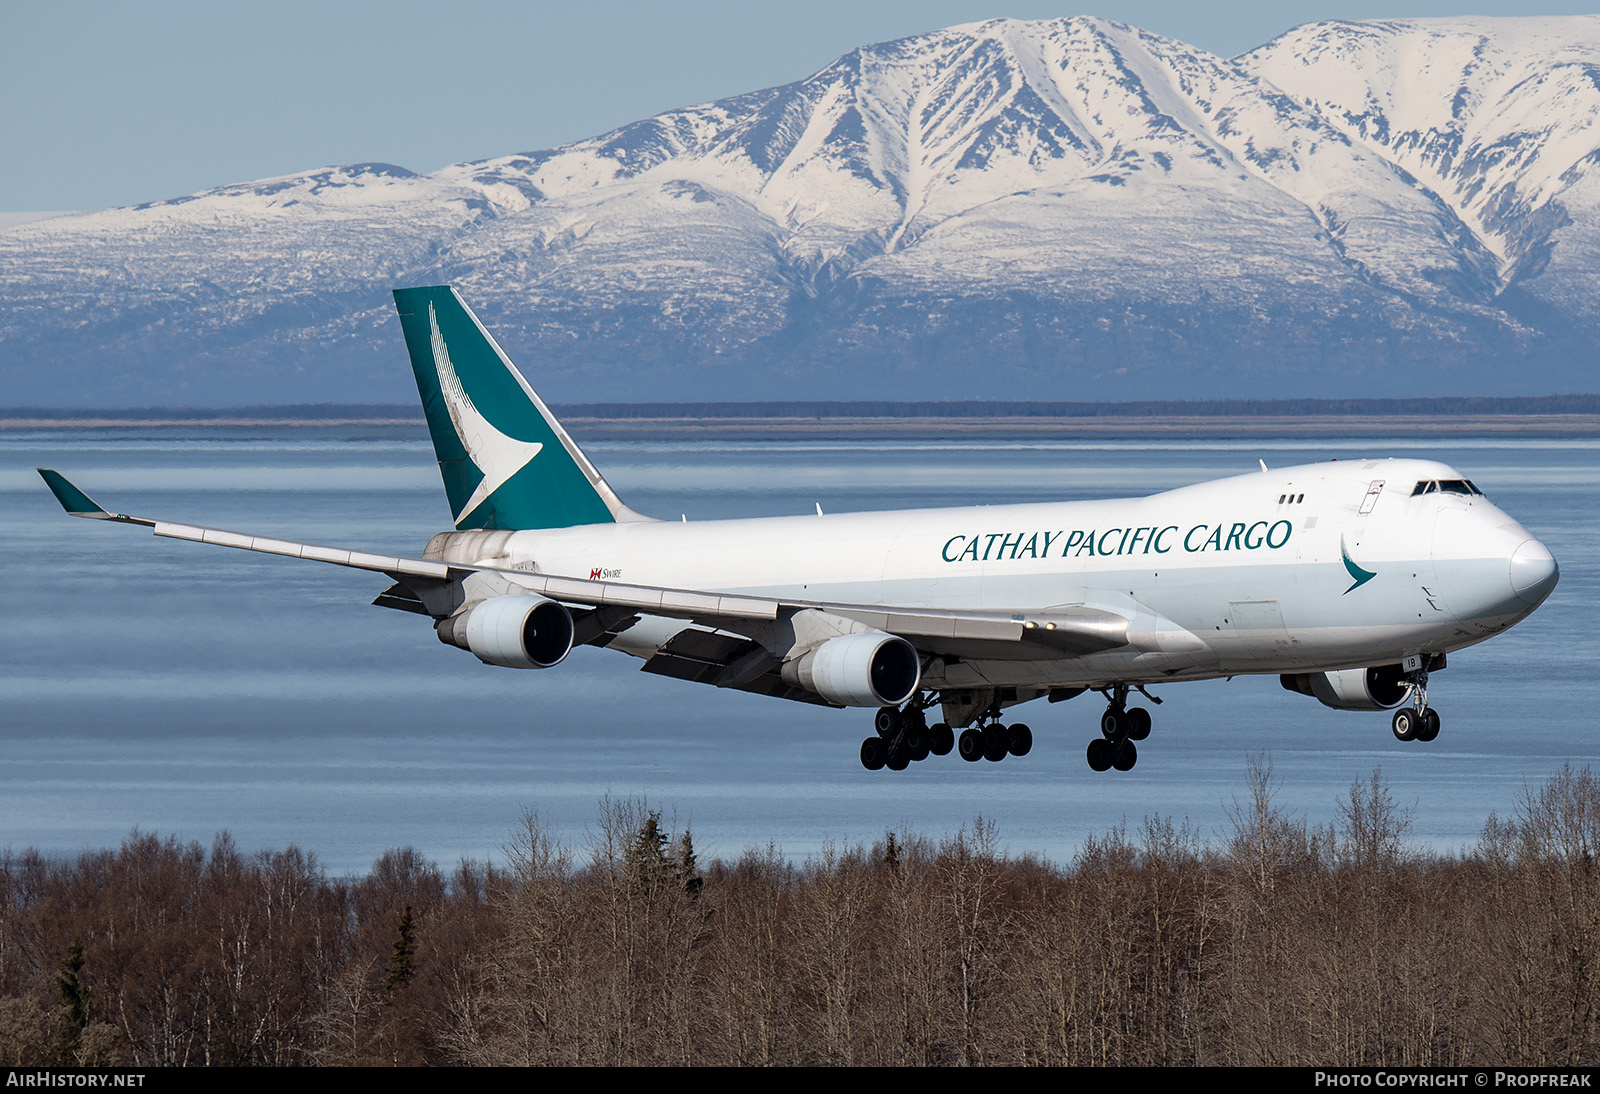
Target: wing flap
725 661
401 598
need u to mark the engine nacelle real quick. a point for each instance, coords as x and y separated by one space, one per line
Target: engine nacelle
1380 688
859 670
516 632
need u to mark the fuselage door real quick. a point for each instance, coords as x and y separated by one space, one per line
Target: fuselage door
1371 499
1257 629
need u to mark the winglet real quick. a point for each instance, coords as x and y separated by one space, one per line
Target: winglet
79 504
72 499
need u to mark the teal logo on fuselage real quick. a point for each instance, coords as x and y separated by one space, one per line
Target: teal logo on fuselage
1361 576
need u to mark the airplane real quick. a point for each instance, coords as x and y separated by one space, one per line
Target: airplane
1351 580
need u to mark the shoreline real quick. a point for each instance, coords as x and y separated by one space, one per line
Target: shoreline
640 428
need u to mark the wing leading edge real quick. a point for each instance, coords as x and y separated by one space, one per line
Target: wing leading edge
435 588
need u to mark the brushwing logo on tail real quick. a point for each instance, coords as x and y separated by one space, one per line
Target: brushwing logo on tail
498 456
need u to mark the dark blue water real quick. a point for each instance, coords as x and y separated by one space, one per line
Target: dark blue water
184 689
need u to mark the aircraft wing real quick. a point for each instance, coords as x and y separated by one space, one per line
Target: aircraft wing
79 504
1070 631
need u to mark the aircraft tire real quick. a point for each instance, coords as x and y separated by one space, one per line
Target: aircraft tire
1021 742
873 753
1138 720
1405 724
1126 756
899 758
1429 729
941 739
971 745
887 722
915 741
1113 724
1099 754
996 742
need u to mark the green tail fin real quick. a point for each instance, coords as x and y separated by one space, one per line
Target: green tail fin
506 462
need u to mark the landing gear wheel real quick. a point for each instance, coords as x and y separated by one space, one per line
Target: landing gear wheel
941 739
1138 721
1021 742
996 742
1126 757
1100 754
1429 729
1405 724
873 753
1113 724
887 722
915 741
971 744
899 758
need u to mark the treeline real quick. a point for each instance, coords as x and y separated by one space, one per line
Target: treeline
1282 944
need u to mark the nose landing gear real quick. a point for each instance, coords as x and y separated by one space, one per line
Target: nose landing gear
1420 722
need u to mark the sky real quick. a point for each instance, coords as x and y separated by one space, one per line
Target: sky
118 103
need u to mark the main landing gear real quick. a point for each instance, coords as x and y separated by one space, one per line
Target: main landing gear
1420 722
1119 728
905 737
994 742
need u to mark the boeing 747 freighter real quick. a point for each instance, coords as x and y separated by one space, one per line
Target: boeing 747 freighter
1352 581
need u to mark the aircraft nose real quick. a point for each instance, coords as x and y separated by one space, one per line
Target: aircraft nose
1533 572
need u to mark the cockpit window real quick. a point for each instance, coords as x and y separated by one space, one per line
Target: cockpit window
1446 486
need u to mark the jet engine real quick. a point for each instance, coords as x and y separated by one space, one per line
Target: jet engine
859 670
1380 688
516 632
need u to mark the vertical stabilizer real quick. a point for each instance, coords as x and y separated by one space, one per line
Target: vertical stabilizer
506 462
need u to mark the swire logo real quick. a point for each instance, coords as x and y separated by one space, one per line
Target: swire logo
496 455
1361 576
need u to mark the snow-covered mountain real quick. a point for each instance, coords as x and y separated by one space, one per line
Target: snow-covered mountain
1063 209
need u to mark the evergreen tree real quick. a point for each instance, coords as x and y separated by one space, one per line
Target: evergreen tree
891 854
74 1006
689 866
647 861
402 959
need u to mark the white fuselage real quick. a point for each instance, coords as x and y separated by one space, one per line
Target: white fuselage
1262 573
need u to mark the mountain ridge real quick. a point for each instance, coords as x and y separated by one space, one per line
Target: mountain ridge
1352 208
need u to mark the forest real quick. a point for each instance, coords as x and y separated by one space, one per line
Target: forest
1272 943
